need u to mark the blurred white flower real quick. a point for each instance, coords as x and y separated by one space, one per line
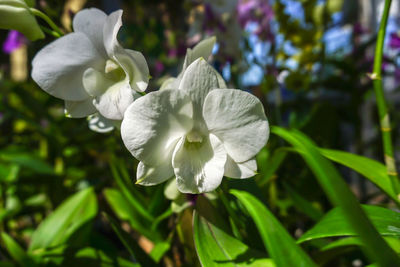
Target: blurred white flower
90 70
197 133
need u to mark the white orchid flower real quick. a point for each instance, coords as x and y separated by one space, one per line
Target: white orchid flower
202 49
90 70
197 133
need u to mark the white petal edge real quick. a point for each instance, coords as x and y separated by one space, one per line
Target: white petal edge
240 170
199 170
153 175
110 31
238 119
135 66
132 62
79 109
59 66
91 21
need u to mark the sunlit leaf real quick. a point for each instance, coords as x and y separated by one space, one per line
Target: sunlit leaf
340 195
371 169
27 160
215 246
333 224
72 215
16 252
280 245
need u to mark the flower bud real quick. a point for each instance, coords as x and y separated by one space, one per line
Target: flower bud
15 14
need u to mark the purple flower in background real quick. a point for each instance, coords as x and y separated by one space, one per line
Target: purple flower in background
394 41
245 11
258 11
14 40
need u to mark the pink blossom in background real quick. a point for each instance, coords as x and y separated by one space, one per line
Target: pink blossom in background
394 41
158 68
258 11
14 40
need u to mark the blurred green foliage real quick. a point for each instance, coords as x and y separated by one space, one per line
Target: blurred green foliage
67 194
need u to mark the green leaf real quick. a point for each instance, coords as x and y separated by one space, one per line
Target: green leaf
280 245
216 247
16 252
72 215
303 204
125 211
386 221
394 243
130 244
371 169
28 161
119 175
94 257
340 195
271 163
160 248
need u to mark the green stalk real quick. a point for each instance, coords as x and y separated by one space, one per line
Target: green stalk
384 119
46 18
50 32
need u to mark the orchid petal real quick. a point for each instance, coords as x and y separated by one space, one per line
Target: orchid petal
95 82
199 169
221 81
202 49
135 67
170 83
240 170
154 122
237 118
90 22
199 79
110 31
153 175
132 62
59 66
115 100
79 109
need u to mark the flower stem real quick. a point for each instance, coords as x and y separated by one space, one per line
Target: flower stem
384 119
50 32
46 18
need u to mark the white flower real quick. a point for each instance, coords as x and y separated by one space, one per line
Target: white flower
202 49
90 70
197 133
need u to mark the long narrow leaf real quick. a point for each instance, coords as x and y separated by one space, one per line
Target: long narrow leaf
371 169
340 195
216 248
128 193
16 252
70 216
130 244
280 245
386 221
126 211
